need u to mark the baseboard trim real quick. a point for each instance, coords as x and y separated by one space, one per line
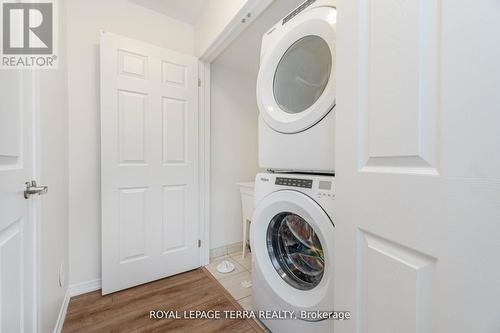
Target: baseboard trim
84 287
62 313
225 250
74 290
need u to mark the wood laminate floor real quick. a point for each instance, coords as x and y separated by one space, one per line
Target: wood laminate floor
128 310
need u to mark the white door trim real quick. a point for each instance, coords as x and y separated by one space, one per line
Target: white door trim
204 160
237 25
250 10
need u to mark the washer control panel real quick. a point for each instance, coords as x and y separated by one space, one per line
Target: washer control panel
295 182
325 190
320 188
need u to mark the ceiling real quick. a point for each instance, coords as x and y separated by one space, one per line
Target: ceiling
187 11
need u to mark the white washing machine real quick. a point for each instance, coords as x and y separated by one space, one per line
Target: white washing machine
292 242
296 90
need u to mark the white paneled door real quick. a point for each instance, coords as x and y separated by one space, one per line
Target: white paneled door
17 225
149 162
418 166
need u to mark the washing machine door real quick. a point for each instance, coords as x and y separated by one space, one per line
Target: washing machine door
296 82
292 240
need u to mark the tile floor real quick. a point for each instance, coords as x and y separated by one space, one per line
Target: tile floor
233 281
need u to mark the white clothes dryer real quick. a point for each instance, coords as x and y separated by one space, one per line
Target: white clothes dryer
292 242
296 90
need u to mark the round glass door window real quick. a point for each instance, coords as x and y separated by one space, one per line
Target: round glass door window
302 74
295 251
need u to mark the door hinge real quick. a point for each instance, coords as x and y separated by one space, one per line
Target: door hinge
199 82
199 242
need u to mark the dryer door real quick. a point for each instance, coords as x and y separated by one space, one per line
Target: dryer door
296 82
292 240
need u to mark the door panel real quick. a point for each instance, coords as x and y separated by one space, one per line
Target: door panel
17 229
132 121
398 57
174 218
132 64
397 282
174 113
149 138
174 74
418 167
11 278
132 224
10 119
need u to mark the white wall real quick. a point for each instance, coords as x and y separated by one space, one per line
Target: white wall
233 149
215 17
234 156
85 20
53 152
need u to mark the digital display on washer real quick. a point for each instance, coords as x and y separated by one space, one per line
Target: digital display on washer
325 185
295 182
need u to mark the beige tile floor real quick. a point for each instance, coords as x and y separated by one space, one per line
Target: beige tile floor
232 281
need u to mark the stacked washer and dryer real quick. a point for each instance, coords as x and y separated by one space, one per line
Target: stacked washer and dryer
293 223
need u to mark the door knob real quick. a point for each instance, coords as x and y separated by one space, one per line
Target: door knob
33 188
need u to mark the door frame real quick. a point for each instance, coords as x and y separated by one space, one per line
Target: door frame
245 16
204 152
